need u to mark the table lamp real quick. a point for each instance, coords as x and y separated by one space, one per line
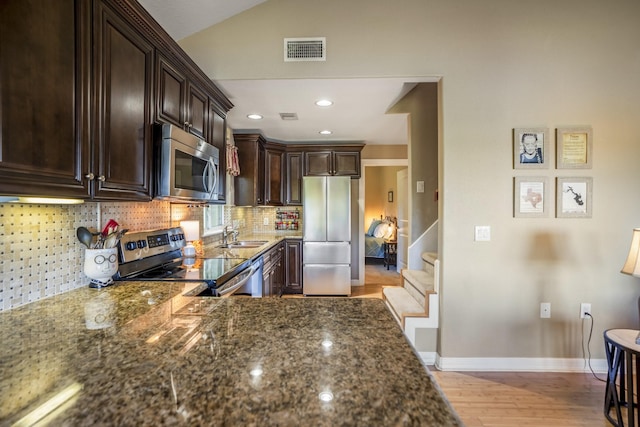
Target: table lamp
191 233
632 264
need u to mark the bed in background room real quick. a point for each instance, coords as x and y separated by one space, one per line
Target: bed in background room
379 231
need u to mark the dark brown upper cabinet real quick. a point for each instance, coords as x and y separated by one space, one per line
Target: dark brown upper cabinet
249 185
274 172
80 87
44 95
122 143
293 178
180 102
332 163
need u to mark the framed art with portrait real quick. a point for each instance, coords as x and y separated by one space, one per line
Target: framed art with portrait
530 148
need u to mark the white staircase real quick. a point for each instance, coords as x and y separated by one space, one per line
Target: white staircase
415 304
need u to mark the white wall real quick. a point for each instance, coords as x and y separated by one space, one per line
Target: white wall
502 64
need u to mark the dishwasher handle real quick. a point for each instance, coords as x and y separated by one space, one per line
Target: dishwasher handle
231 289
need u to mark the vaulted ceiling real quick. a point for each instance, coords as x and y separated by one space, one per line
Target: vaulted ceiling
360 105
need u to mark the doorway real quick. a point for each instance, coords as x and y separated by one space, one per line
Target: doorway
368 166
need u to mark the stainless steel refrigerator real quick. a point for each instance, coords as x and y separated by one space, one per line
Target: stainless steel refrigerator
326 254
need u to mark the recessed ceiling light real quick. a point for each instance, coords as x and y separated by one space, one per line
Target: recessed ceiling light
325 132
324 103
254 116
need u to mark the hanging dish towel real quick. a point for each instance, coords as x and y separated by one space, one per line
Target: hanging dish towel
233 167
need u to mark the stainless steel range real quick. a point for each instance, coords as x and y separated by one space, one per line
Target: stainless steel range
156 255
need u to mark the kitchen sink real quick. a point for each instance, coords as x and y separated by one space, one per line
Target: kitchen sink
243 244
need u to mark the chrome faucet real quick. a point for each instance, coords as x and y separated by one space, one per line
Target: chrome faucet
226 232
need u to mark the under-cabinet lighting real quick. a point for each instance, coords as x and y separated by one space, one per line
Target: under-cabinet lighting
40 200
50 405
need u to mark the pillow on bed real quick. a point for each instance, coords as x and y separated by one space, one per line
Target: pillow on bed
381 230
372 227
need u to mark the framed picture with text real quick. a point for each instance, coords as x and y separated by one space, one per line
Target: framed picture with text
573 146
530 197
574 197
530 148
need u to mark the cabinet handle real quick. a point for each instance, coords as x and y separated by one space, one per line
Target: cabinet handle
101 178
90 176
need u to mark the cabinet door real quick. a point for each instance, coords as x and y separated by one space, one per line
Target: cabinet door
346 164
44 92
123 139
273 177
293 266
317 163
171 94
197 112
293 179
260 181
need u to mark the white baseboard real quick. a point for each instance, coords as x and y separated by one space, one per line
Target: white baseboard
428 358
518 364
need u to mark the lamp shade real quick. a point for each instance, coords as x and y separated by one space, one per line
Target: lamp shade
191 230
632 264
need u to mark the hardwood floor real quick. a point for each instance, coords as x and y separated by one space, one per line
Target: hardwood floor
531 399
375 277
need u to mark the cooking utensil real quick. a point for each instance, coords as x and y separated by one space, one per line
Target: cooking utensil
110 227
85 236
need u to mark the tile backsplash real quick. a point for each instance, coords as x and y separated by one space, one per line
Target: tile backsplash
40 255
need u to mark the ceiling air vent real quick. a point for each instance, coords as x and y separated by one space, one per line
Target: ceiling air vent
305 49
288 116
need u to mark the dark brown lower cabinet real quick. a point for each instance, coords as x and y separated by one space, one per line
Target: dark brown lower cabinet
293 266
273 271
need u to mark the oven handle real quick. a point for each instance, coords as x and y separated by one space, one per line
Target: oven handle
232 289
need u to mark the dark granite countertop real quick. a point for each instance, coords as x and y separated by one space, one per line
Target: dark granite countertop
141 353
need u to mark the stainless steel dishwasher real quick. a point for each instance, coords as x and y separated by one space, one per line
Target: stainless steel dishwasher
246 283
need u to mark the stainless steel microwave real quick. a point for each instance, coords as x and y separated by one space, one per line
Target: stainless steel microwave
188 167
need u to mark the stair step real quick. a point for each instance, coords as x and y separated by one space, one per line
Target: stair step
421 281
401 303
429 257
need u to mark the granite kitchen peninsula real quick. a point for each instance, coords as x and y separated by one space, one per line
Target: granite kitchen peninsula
142 353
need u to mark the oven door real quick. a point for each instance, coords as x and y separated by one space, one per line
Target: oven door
188 172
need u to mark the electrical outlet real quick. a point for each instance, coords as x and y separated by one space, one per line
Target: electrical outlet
585 307
545 310
265 220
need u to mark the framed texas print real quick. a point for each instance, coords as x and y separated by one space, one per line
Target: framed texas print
574 197
573 147
530 148
530 197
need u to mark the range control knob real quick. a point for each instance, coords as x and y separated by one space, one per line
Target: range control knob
130 246
142 243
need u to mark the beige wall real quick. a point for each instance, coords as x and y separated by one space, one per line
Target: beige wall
502 64
379 180
384 152
421 104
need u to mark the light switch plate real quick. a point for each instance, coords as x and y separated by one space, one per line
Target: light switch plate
483 233
419 186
